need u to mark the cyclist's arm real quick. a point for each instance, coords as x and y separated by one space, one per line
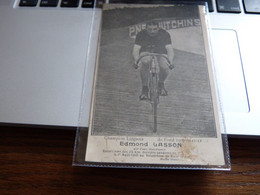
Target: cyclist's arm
136 52
170 53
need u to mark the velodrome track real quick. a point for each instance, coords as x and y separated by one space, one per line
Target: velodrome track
186 111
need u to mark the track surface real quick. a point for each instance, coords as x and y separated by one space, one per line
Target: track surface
186 111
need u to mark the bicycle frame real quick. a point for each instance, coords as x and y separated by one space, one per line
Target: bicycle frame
153 81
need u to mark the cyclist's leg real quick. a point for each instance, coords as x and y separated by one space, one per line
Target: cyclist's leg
144 73
164 71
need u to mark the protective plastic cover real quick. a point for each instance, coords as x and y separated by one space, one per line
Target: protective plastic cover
155 102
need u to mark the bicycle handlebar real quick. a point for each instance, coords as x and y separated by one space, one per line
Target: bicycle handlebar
155 54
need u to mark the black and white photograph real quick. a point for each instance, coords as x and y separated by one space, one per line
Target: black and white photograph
133 98
153 82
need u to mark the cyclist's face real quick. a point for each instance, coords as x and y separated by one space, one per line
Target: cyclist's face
152 29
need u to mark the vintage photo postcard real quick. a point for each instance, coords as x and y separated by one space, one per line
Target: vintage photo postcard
154 99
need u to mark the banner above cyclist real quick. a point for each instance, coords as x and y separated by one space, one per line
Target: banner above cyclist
166 24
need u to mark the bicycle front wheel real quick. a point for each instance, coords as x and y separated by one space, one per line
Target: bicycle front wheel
154 98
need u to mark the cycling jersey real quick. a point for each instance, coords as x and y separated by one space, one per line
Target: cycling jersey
153 44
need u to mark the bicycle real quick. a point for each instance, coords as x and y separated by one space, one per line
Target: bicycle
153 80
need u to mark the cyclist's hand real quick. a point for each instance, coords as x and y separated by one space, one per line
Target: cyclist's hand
135 65
171 66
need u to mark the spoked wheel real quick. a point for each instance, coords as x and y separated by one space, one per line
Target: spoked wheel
155 117
154 98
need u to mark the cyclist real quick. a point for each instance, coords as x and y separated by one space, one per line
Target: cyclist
153 39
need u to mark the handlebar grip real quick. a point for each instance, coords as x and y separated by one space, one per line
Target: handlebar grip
135 65
171 66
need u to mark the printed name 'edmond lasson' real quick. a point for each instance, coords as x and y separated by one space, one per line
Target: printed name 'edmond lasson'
159 144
